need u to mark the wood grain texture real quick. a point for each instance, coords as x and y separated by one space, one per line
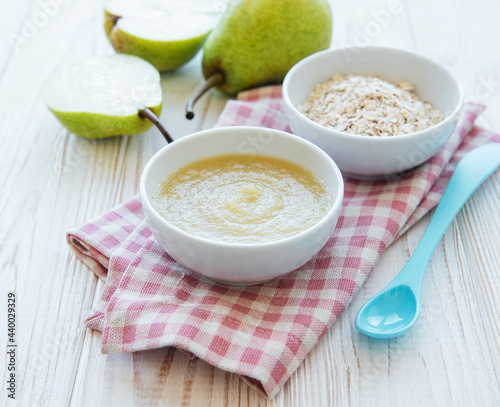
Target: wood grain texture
52 181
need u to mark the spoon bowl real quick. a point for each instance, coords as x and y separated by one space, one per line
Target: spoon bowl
389 314
395 309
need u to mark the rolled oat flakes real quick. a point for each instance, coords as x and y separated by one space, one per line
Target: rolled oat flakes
368 105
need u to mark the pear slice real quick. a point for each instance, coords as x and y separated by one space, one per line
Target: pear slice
167 33
106 96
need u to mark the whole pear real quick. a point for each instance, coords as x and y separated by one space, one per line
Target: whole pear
257 42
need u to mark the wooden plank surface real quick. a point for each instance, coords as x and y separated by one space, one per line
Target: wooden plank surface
52 181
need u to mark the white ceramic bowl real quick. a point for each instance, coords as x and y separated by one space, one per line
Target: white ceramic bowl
237 263
373 157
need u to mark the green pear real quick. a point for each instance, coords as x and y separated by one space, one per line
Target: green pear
167 33
105 96
257 42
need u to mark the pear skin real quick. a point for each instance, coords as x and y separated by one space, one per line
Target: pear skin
95 126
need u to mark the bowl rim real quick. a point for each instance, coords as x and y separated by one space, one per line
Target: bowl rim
338 196
373 139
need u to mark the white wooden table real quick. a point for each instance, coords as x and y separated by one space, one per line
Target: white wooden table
52 181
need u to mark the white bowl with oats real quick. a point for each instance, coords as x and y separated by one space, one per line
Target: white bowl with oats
376 111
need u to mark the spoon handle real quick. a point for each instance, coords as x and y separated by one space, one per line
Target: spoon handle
471 171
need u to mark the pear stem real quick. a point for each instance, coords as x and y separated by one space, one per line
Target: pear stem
148 114
214 79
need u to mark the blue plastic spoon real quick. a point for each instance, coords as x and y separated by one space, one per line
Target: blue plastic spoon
396 308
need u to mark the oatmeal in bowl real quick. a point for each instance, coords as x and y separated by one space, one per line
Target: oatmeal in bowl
369 106
376 111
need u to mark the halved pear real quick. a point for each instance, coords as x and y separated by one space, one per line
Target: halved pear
167 33
105 96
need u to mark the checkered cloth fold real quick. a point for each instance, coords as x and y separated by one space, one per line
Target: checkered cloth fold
261 333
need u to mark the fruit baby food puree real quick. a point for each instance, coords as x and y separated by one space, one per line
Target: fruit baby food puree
240 199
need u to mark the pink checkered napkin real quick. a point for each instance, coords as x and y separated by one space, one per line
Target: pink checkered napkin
263 332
